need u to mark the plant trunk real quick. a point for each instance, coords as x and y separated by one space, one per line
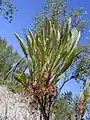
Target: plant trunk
43 111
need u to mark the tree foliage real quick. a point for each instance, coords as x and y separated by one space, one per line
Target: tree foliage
64 107
7 9
57 10
8 57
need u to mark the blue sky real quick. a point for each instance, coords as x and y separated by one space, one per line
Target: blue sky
24 18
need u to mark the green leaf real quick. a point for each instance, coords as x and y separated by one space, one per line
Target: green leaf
32 37
22 45
21 78
29 45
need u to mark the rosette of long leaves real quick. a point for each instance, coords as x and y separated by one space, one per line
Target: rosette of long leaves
51 52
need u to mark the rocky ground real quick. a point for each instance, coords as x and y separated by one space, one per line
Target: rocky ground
14 107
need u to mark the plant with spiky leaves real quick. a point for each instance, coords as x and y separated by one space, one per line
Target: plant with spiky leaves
48 55
83 99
